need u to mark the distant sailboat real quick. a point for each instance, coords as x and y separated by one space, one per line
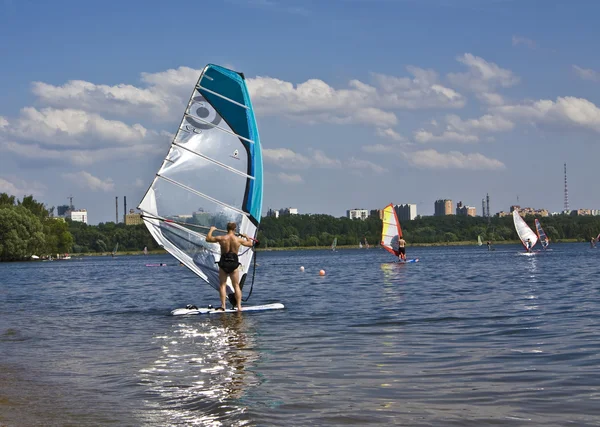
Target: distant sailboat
524 232
334 244
114 252
366 243
479 242
145 250
544 241
359 245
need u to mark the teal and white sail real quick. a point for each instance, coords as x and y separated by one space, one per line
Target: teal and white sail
212 175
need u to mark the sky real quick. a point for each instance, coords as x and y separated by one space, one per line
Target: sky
359 103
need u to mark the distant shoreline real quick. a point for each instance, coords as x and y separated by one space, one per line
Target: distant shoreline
311 248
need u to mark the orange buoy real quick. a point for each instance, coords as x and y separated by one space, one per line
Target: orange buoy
322 273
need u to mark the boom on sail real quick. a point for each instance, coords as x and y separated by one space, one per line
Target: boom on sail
211 175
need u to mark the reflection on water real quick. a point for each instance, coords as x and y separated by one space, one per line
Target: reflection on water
202 373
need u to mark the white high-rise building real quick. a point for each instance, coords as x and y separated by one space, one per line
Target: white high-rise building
357 214
406 212
79 215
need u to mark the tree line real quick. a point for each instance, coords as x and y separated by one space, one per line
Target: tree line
27 228
320 230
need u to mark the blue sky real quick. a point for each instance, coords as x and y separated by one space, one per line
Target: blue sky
359 102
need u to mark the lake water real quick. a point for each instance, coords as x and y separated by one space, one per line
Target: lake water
465 337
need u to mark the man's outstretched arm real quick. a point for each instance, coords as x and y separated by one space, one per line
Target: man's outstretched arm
209 237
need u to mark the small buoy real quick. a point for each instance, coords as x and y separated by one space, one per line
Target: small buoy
322 273
302 268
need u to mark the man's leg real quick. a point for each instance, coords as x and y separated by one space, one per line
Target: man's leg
222 288
235 281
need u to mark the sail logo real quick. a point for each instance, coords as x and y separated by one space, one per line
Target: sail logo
235 155
201 109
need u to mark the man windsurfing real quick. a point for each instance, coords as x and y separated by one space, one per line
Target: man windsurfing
229 262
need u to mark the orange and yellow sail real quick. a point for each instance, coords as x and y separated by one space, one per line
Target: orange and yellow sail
391 231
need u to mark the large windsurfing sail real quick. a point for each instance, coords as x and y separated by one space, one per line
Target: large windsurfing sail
541 235
212 175
523 231
391 231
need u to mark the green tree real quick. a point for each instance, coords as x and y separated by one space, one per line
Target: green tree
21 233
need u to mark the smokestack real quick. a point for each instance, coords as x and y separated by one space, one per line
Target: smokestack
117 210
124 207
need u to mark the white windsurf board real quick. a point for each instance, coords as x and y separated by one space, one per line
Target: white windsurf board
209 310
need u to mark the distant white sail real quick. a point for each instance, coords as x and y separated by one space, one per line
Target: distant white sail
479 242
212 172
523 230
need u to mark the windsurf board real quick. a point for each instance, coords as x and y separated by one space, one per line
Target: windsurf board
208 310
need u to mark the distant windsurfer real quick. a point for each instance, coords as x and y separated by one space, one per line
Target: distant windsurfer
229 262
528 245
489 245
401 249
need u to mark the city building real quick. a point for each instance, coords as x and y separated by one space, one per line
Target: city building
357 214
376 213
62 210
581 212
79 215
288 211
133 218
273 213
442 207
406 212
464 210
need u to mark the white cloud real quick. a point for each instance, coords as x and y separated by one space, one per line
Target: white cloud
119 99
3 123
587 73
485 123
290 178
139 183
447 136
482 77
79 157
380 148
519 40
163 99
491 98
286 158
87 181
354 163
422 91
431 159
569 110
458 130
71 127
390 133
314 101
17 187
321 159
